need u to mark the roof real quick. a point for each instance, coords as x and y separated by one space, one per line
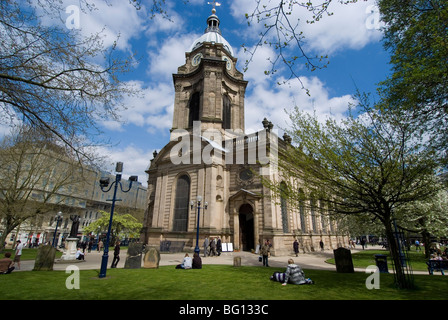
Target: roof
212 34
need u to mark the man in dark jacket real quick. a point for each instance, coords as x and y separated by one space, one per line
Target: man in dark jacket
116 255
295 245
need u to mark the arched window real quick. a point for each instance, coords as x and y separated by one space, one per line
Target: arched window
302 210
283 206
226 113
313 214
323 218
194 109
180 222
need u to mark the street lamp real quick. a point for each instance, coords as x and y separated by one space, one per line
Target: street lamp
198 200
58 218
104 183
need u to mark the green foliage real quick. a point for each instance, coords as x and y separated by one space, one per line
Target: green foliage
416 34
123 225
370 164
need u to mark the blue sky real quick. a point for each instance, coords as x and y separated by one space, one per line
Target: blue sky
350 37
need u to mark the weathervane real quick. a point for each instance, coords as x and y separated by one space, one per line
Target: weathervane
214 4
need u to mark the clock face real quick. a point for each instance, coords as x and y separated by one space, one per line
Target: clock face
246 174
196 59
228 62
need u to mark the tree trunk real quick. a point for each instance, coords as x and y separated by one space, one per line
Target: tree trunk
426 241
400 277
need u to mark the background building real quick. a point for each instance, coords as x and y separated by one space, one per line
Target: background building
80 196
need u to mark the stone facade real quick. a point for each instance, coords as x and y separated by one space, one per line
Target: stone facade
210 156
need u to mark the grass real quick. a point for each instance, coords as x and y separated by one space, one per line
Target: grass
213 282
27 254
364 258
217 282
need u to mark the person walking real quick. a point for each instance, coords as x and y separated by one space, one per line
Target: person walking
219 246
295 246
265 252
116 255
206 244
18 254
213 247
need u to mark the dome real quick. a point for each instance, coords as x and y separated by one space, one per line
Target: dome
212 34
211 37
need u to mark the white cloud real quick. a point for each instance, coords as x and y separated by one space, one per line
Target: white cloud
169 55
135 160
347 28
149 109
274 103
117 20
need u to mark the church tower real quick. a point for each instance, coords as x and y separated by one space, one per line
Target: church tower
241 211
208 87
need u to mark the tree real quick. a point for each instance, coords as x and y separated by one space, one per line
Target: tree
52 78
284 34
123 225
360 165
36 176
428 217
416 34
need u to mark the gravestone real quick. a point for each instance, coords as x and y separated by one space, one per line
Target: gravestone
343 260
151 259
134 256
237 261
45 258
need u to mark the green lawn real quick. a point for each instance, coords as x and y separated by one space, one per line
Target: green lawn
217 282
27 254
364 258
213 282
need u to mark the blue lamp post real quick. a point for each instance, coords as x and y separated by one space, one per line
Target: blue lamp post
58 218
199 200
104 183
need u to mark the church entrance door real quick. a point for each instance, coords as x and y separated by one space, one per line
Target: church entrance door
246 220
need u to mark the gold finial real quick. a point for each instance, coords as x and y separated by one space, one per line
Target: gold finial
214 4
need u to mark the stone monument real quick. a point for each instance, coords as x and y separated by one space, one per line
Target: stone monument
343 260
237 261
134 256
72 240
152 258
45 258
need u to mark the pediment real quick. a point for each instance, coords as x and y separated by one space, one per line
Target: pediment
245 195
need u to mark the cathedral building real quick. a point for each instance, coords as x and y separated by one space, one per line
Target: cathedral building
210 158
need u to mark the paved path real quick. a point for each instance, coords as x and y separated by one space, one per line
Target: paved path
313 260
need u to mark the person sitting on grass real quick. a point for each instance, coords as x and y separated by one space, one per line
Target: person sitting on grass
197 261
186 264
293 274
6 264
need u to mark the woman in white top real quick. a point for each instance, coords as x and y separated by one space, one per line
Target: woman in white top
186 264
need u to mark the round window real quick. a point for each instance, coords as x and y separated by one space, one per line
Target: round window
246 174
